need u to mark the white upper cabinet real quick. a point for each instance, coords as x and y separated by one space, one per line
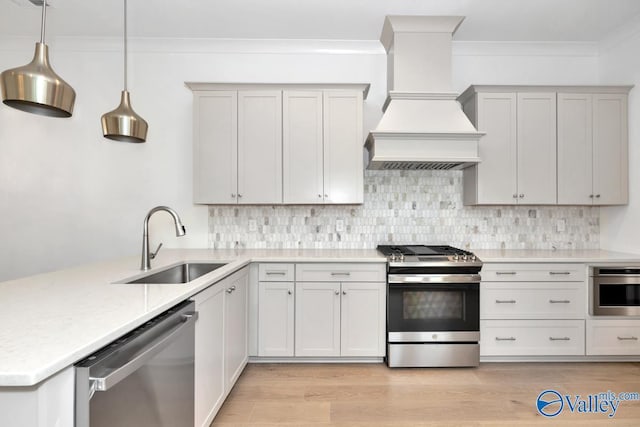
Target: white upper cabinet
494 180
592 148
302 147
575 149
215 152
343 140
610 148
547 145
274 144
518 152
259 147
536 145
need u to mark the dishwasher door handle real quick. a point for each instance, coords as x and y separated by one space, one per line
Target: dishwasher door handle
130 366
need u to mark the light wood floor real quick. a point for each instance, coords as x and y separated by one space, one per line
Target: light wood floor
495 394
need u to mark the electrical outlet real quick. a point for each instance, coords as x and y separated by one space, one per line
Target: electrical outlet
253 225
561 225
339 225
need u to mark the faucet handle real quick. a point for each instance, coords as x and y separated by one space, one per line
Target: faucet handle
152 255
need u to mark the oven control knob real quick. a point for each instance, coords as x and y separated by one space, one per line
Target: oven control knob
464 257
473 257
455 257
401 257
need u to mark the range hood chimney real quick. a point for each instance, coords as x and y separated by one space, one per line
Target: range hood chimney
423 126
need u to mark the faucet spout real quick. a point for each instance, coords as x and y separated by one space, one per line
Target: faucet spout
180 231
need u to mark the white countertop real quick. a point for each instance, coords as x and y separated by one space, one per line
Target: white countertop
533 255
50 321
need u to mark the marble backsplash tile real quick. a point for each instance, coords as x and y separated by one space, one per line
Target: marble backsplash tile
406 207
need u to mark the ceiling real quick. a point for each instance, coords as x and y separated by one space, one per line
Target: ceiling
486 20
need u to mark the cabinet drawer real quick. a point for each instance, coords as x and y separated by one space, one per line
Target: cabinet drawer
341 272
532 338
613 337
275 272
532 300
549 272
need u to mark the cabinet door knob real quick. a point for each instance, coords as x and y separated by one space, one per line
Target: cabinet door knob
597 196
515 196
231 289
239 195
337 292
326 196
233 195
591 196
344 292
289 292
521 195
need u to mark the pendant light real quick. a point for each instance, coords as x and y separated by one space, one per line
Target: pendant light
124 124
35 87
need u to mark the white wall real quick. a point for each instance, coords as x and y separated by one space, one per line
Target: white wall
68 196
620 64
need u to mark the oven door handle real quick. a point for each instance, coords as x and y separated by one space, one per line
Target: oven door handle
432 278
130 365
616 280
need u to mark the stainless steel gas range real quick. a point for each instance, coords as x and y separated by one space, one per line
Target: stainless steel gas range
433 306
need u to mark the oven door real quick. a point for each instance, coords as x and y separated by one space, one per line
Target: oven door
433 308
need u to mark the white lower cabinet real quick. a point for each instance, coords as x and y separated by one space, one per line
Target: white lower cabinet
317 319
275 317
532 309
618 337
532 338
340 319
220 343
321 310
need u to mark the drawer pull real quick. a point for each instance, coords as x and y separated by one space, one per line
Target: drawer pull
559 339
556 273
505 273
506 339
627 338
505 301
344 273
559 301
276 273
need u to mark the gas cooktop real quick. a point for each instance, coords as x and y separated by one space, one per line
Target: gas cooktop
407 255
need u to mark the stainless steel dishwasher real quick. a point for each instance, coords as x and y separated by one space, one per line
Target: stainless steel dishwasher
142 379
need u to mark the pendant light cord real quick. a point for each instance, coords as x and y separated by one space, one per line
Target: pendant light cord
44 18
125 45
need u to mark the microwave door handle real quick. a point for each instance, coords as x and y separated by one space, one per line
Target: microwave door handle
130 366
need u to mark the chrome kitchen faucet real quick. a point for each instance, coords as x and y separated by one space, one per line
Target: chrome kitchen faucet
146 255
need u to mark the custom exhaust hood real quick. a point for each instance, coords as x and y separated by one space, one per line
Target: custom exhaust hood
423 126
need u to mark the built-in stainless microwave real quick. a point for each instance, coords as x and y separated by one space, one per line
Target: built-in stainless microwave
615 291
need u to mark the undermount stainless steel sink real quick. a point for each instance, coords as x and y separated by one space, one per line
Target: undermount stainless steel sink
181 273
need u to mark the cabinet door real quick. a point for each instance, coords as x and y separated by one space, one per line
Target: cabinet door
575 152
537 148
302 147
343 147
215 147
209 365
363 331
317 319
610 146
497 174
235 327
275 318
259 147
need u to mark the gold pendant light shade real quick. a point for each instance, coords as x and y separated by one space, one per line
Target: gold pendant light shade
124 124
35 87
